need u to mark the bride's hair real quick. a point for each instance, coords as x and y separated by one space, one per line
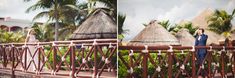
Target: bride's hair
31 31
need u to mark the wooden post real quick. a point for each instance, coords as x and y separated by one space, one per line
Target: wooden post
39 59
54 59
25 58
222 64
233 61
4 57
145 65
13 62
193 65
209 63
73 61
95 62
169 65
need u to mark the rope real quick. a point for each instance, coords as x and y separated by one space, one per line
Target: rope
130 70
131 53
145 50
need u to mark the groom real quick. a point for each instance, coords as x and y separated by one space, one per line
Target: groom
201 39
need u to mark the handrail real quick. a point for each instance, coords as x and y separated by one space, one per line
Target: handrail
174 47
75 50
66 42
136 56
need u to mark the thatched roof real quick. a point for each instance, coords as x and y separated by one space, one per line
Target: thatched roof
99 25
201 22
154 34
233 34
185 38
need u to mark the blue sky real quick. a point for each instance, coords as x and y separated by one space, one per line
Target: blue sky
142 11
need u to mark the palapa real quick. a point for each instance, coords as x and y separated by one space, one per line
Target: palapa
99 25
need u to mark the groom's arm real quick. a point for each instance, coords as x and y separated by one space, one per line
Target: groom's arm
196 42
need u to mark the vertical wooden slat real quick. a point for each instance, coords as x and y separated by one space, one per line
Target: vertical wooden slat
39 59
95 62
54 59
13 62
222 64
145 65
193 65
25 58
209 64
169 65
4 57
73 61
233 61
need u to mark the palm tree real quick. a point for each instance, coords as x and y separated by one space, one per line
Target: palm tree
110 7
121 20
53 8
190 27
44 32
166 24
220 22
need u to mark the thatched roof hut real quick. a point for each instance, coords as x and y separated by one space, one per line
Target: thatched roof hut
154 34
233 34
201 22
99 25
185 38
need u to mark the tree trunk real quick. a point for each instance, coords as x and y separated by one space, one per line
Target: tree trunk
57 20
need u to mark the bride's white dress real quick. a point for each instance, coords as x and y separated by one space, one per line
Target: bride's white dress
32 49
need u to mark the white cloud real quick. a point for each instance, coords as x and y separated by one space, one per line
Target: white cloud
142 11
16 9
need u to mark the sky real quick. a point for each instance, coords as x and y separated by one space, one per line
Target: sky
139 12
15 9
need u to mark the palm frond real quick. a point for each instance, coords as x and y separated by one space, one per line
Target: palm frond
41 14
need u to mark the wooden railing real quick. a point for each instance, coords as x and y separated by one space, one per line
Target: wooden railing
57 57
176 61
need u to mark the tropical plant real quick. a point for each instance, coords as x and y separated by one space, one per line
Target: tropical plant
220 22
121 20
166 24
44 32
55 10
9 37
190 27
121 31
110 7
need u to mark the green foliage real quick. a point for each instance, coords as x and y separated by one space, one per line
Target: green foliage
220 22
62 51
189 26
175 28
9 37
166 24
110 7
216 58
121 20
62 11
44 33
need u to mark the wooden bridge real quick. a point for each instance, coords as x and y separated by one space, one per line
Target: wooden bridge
78 58
177 61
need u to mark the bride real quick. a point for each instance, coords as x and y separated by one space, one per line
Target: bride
30 38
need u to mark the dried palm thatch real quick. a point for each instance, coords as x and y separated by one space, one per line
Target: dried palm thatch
185 38
99 25
154 34
201 22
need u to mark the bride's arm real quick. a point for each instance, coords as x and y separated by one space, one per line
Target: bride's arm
26 39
